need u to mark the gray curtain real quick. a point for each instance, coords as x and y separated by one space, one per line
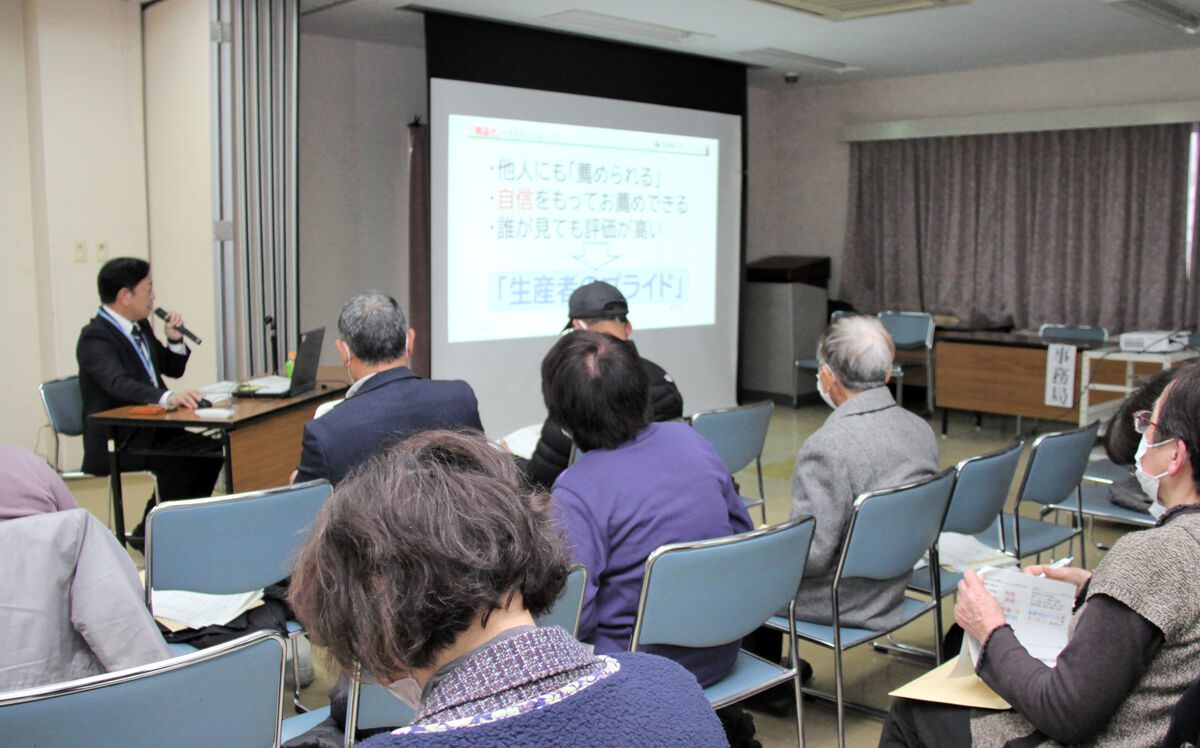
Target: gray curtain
1071 226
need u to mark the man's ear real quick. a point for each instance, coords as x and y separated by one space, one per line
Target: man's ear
1179 458
343 351
123 296
578 324
409 341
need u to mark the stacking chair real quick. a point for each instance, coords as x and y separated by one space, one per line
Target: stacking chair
698 595
63 402
738 434
230 544
567 610
889 531
230 694
980 492
1054 471
912 331
1093 493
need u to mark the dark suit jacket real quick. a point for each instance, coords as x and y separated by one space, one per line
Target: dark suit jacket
110 375
392 405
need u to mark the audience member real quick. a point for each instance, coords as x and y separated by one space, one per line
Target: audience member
599 306
1135 637
867 443
387 401
72 604
121 362
427 568
635 486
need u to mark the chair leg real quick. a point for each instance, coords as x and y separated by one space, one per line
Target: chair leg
898 647
300 708
798 688
761 493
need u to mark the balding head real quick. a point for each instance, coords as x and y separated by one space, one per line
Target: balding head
858 351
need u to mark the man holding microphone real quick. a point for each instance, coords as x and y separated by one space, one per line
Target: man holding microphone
121 362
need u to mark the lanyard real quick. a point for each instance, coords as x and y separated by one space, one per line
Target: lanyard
143 353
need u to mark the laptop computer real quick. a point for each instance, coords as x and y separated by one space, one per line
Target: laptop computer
304 372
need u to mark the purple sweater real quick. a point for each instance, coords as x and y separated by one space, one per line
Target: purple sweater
668 485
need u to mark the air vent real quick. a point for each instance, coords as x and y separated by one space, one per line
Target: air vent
624 26
784 60
849 10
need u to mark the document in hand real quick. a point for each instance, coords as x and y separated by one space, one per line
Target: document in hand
1037 608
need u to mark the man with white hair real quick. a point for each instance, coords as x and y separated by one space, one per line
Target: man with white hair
867 443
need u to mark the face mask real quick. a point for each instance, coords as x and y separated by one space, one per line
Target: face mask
407 690
823 393
1149 483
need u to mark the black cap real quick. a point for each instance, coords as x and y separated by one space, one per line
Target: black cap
596 299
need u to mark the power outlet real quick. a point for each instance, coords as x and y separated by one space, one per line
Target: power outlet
79 251
102 250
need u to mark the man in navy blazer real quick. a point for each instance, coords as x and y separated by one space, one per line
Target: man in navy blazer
387 402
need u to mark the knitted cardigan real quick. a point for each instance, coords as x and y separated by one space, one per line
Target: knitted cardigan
630 699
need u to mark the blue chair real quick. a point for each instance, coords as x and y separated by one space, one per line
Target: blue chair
229 544
980 492
230 694
889 532
696 595
567 609
912 331
1093 493
1054 472
738 435
63 402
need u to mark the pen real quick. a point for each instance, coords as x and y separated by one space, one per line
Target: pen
1059 564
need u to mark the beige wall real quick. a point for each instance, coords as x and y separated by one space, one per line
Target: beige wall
798 163
356 100
71 82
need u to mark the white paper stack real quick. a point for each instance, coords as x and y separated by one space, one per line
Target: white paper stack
959 552
197 609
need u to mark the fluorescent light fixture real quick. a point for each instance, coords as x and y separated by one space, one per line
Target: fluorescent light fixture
784 60
624 26
849 10
1161 12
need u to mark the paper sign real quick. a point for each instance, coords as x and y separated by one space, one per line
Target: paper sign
1060 375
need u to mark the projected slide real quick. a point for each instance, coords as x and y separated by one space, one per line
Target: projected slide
536 209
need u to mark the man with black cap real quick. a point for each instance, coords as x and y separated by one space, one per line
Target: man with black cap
601 307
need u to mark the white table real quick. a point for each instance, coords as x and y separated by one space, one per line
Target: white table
1087 413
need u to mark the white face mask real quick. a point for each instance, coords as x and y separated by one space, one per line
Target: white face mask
1149 483
823 393
407 690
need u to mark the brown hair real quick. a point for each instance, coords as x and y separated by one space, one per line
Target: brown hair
426 538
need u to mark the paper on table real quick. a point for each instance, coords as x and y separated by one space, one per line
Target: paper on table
959 552
197 609
523 441
945 686
214 412
1037 608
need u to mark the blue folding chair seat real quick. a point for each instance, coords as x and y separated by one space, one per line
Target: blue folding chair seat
889 531
230 694
738 435
698 595
569 606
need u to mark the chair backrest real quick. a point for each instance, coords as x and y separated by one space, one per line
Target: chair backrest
1073 334
738 434
909 330
230 544
230 694
892 528
567 609
981 489
63 401
712 592
1056 464
371 706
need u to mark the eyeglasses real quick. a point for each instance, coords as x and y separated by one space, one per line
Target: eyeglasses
1142 422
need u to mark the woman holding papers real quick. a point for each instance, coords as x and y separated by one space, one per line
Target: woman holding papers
1135 642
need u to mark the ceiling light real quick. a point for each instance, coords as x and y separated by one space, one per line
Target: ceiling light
624 26
848 10
779 58
1162 12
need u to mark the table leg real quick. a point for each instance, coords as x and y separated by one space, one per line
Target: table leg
227 453
114 482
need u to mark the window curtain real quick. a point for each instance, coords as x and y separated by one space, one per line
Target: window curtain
1069 226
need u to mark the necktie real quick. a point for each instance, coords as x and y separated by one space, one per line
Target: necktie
143 351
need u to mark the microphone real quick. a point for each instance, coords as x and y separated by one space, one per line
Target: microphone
162 314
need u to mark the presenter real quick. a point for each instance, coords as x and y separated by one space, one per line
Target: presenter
121 362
